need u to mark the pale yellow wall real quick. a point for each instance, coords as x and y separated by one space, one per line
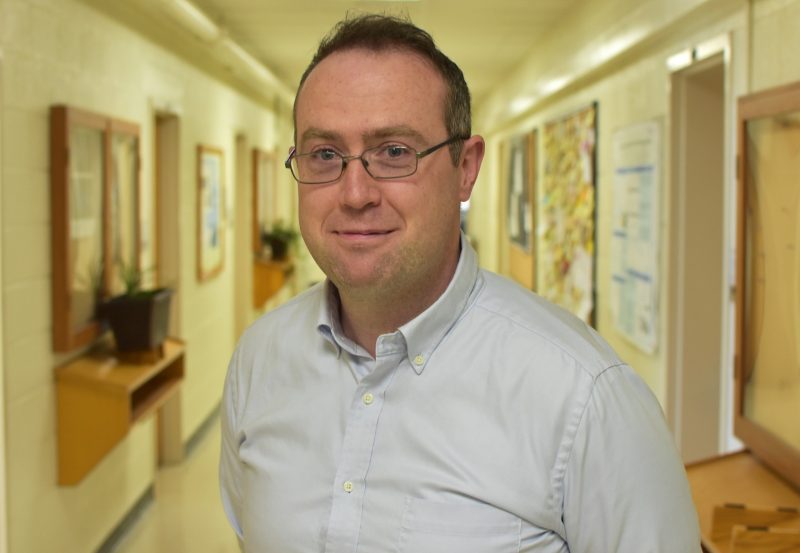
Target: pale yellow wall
775 43
62 51
3 494
630 82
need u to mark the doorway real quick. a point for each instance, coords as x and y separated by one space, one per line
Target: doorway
696 282
3 488
168 262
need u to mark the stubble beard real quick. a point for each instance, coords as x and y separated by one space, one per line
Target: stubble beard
394 279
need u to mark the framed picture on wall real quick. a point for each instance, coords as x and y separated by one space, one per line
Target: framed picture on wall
94 180
767 276
519 209
210 212
264 201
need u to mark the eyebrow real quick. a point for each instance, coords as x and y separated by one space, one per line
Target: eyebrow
314 132
386 132
400 130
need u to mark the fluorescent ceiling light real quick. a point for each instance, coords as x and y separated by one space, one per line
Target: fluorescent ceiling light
194 20
680 60
257 68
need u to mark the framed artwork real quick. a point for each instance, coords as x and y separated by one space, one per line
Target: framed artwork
124 231
94 182
566 226
210 212
767 388
264 201
519 165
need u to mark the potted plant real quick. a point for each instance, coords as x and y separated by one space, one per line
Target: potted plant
139 318
279 238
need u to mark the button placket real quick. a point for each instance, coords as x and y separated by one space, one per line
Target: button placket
362 422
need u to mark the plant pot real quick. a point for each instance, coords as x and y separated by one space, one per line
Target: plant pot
140 321
279 248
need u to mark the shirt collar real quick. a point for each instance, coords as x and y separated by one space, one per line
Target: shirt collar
423 333
426 331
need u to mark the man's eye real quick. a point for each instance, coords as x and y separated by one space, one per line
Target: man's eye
396 151
325 155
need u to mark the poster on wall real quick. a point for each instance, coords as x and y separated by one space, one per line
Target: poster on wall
519 166
210 209
566 226
635 234
519 212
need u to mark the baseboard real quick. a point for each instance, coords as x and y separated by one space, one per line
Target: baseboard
202 430
129 521
148 497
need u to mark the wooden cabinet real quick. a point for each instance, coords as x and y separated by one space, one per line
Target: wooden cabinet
100 397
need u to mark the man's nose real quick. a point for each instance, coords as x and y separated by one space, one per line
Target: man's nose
358 188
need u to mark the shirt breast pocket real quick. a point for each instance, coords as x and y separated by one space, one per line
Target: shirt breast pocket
438 527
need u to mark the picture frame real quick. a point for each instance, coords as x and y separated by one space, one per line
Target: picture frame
767 329
519 164
210 211
95 188
264 200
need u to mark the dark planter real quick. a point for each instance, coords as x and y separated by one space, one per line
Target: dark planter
140 321
279 248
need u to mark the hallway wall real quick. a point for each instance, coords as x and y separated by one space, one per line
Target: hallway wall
63 51
624 68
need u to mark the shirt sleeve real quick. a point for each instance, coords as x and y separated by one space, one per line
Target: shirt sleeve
625 488
230 467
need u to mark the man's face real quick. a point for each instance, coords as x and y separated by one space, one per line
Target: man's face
378 237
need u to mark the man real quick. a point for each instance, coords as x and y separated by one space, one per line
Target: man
413 402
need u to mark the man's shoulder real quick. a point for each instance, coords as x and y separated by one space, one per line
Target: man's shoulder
542 324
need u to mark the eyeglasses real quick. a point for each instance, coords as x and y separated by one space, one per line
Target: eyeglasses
389 161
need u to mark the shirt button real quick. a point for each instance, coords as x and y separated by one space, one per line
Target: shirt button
419 360
348 486
368 398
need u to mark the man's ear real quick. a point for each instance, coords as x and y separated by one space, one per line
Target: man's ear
472 151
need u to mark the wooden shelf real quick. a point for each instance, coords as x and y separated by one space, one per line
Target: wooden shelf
100 397
736 478
269 276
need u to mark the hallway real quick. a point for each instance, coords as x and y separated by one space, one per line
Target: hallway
186 514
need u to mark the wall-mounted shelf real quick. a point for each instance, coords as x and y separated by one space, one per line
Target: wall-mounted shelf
269 276
740 479
101 396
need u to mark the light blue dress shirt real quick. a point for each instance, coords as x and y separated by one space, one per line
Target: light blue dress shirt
493 422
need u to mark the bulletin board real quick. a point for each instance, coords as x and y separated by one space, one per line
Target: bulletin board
566 226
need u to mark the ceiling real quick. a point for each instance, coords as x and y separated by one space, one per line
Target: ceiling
487 39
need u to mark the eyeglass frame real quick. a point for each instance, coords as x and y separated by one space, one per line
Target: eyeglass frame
345 159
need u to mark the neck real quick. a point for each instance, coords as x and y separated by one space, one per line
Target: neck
367 314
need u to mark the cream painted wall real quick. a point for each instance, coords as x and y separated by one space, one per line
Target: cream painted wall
62 51
623 68
3 492
775 43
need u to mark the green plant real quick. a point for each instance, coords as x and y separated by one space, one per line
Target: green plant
131 278
280 231
279 237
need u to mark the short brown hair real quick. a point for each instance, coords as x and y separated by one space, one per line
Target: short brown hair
383 32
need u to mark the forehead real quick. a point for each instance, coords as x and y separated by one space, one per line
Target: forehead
364 90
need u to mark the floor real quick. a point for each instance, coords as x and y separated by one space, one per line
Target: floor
186 515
